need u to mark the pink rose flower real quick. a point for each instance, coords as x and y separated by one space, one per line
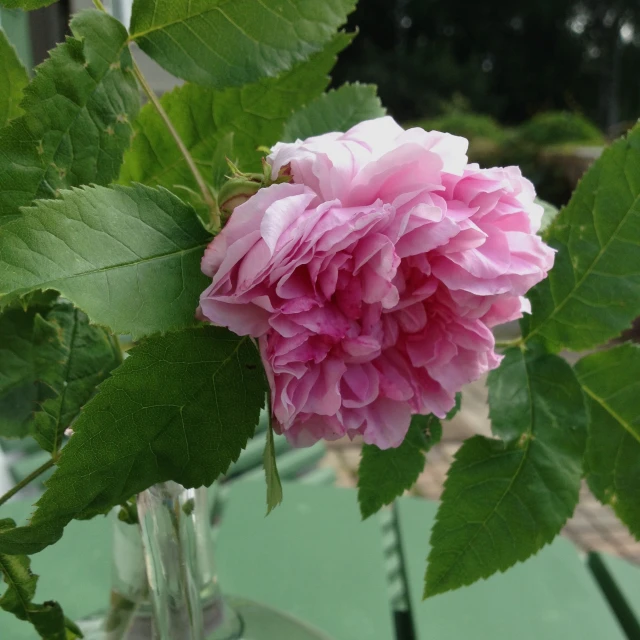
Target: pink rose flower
372 279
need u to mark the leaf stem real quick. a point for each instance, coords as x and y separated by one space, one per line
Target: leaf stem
25 481
60 432
202 185
118 354
505 344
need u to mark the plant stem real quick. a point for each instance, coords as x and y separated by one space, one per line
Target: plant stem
25 481
505 344
202 185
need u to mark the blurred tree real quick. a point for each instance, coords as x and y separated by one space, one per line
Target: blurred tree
609 31
508 58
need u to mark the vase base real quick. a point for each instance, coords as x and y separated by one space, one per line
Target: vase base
242 620
126 620
261 622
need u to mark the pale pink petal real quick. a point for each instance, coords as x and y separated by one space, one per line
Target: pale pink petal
388 423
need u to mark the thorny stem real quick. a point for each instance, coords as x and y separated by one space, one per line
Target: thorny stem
25 481
202 185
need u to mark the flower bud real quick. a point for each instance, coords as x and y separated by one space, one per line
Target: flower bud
234 193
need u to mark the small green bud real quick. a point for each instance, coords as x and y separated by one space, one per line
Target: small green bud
128 512
234 193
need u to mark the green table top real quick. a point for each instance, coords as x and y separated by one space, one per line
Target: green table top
314 558
620 583
311 557
552 596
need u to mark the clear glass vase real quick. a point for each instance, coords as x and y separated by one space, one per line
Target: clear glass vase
164 585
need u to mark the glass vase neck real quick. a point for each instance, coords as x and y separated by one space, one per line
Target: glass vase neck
184 593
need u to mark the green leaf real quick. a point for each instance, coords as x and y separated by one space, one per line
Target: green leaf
505 499
51 360
21 583
129 257
593 291
86 356
223 43
49 621
181 407
13 79
25 352
36 298
385 474
76 124
27 5
456 407
549 215
338 110
255 114
274 486
47 618
611 381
